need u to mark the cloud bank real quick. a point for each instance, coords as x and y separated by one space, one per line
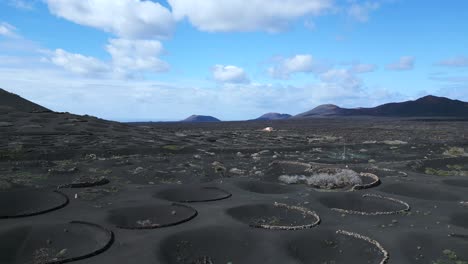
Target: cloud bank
246 15
125 18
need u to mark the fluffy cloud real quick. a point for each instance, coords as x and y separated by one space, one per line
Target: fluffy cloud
125 18
229 74
361 11
343 78
363 68
287 66
460 61
7 30
129 57
405 63
136 55
77 63
245 15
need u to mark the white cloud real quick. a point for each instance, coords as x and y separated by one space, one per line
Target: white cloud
405 63
7 30
287 66
361 11
246 15
136 55
362 68
22 4
229 74
130 58
125 18
77 63
460 61
342 77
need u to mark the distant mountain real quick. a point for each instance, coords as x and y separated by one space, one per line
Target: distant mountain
200 118
427 106
273 116
13 102
323 110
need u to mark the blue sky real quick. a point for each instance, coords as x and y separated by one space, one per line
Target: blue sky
131 60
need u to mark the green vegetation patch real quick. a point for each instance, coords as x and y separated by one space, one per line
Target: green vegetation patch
450 258
454 170
172 147
455 152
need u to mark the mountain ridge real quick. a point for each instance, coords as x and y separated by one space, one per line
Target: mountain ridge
273 116
200 118
427 106
11 101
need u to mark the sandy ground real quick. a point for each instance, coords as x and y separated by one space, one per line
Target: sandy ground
77 188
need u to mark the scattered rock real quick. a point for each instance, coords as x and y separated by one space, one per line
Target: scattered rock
145 223
62 253
90 156
255 156
394 142
138 170
258 173
240 155
218 166
236 171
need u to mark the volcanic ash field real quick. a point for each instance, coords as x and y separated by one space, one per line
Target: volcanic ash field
84 190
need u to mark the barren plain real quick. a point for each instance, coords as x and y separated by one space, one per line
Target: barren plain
343 190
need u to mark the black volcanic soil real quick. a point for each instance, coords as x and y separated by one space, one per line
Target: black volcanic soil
208 245
193 194
460 219
149 217
29 202
422 247
129 175
358 203
272 216
420 191
463 183
326 246
57 243
264 187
